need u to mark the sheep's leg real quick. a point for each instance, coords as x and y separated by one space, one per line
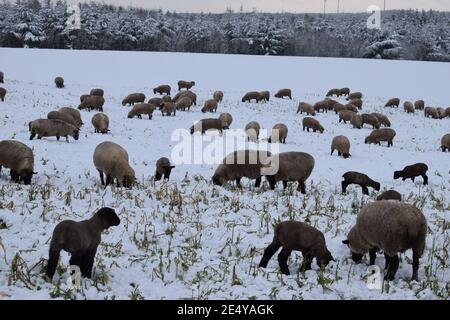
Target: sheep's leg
258 182
307 260
365 190
425 179
392 269
271 181
238 182
415 265
150 117
67 138
158 176
413 178
268 253
285 184
108 180
101 177
332 150
33 134
301 186
344 185
372 256
88 263
282 260
339 153
53 258
387 260
76 259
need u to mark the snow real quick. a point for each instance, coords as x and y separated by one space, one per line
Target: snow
188 238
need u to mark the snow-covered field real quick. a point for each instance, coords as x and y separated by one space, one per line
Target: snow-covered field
188 238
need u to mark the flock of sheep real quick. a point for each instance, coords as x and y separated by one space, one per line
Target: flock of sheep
388 224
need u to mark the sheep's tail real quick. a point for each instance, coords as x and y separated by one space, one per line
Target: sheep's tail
421 238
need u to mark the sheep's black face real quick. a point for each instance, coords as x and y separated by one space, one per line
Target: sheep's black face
192 130
76 134
377 186
324 261
397 174
217 181
26 177
346 155
109 217
128 181
243 99
168 170
130 116
357 257
366 140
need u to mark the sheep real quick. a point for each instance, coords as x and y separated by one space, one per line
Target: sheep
187 93
279 133
391 226
334 92
252 95
166 99
378 135
2 94
226 119
2 80
390 195
307 108
357 103
264 96
52 128
351 107
447 112
330 103
354 95
394 102
419 105
292 166
252 130
371 120
59 82
321 106
342 145
352 177
111 160
62 116
185 85
19 159
384 120
338 107
441 113
218 96
163 168
140 109
298 236
240 164
100 121
183 103
356 121
162 89
445 142
168 109
74 113
413 171
97 92
133 98
210 106
157 102
207 124
311 123
83 97
344 91
346 115
284 93
408 107
431 112
81 240
92 103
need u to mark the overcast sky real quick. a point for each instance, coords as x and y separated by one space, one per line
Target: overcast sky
278 5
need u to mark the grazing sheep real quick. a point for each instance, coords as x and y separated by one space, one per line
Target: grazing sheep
338 107
391 226
2 93
191 95
163 168
352 177
74 113
311 123
92 103
342 145
357 103
419 105
284 93
292 166
384 120
183 103
140 109
162 89
81 240
207 124
330 103
184 85
321 106
334 92
344 91
307 108
83 97
431 112
210 106
298 236
157 102
445 142
133 98
218 96
59 82
346 115
19 159
279 133
356 121
52 128
371 120
264 96
354 95
168 109
447 112
226 119
390 195
252 130
100 121
166 99
408 107
441 113
62 116
378 135
394 102
252 95
413 171
2 80
351 107
240 164
111 160
97 92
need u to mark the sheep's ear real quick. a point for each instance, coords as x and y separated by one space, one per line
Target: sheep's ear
345 241
35 173
171 167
